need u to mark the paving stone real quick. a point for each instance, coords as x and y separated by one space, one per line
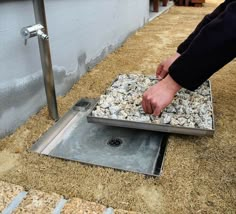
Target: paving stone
78 206
38 202
7 193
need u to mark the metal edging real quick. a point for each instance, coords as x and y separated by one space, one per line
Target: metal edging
160 159
44 142
150 127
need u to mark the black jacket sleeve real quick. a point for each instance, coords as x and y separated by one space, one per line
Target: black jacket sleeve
208 18
212 48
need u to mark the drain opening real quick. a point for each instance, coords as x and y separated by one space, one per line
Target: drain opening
115 142
82 105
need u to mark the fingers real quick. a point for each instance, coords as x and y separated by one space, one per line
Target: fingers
159 69
146 104
161 72
149 106
157 111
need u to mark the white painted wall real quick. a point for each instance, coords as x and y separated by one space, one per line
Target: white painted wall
81 32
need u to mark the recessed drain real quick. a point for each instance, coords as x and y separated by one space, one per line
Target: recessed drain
115 142
82 105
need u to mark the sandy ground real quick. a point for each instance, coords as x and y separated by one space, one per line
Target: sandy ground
199 172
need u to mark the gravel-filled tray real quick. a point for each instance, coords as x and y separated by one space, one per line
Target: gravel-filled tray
189 113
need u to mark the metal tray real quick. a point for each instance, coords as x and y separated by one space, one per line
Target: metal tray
154 127
72 138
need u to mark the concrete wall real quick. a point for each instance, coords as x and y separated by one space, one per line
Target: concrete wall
82 32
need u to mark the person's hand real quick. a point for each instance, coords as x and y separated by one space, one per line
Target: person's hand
157 97
163 68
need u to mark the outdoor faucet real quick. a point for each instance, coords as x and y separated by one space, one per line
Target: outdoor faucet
32 31
40 30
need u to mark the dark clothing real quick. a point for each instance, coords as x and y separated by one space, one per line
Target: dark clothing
211 46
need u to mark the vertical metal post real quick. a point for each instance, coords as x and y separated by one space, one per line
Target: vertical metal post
40 17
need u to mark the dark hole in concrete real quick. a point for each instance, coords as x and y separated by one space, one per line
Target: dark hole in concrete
115 142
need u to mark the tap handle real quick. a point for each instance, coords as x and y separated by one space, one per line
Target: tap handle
25 34
32 31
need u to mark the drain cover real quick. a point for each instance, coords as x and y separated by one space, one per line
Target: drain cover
115 142
73 138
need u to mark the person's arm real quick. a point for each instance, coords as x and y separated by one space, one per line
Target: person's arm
211 49
207 19
163 67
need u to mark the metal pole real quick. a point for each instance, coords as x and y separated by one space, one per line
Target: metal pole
40 17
